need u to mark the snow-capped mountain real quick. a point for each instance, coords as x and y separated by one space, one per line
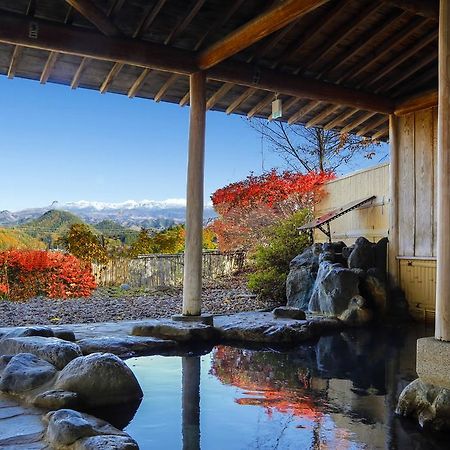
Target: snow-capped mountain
131 213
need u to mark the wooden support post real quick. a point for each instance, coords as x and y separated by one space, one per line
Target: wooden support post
443 179
393 194
192 288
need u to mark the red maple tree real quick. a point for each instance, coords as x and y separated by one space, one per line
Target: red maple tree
245 207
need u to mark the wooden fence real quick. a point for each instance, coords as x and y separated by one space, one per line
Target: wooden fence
164 270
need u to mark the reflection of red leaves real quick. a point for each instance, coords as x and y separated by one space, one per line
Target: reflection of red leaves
29 273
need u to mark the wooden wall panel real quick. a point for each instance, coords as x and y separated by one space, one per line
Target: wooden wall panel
406 186
435 134
371 221
424 175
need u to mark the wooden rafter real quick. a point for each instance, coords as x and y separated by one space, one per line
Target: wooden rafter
76 78
15 57
303 112
261 105
408 72
360 45
184 23
116 68
51 60
185 100
339 119
372 126
165 87
425 8
116 6
381 134
220 93
399 59
96 16
241 99
17 52
140 80
351 126
336 38
276 18
323 115
382 50
149 18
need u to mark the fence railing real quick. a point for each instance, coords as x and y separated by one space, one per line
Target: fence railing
164 269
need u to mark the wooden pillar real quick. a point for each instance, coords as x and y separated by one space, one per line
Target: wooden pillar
393 194
443 179
192 287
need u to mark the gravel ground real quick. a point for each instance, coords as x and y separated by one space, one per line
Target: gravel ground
113 304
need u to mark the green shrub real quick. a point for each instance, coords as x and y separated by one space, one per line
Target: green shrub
281 243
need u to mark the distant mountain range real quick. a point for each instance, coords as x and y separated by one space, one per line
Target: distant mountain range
130 214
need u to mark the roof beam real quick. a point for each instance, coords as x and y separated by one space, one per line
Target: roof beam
261 105
72 40
220 93
302 112
95 15
116 68
241 99
164 88
425 100
323 115
297 86
425 8
261 26
339 119
372 126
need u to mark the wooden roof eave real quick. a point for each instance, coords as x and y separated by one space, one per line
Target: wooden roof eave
51 36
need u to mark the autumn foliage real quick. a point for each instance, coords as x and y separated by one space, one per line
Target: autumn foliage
247 206
29 273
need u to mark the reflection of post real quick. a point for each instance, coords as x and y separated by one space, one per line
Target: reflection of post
191 402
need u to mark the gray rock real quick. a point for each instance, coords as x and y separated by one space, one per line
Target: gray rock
357 313
25 372
299 285
309 257
381 248
100 379
106 443
66 426
175 330
54 350
261 328
125 345
284 312
56 399
29 331
65 335
333 289
376 290
429 404
362 255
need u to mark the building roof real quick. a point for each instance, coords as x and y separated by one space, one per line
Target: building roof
343 64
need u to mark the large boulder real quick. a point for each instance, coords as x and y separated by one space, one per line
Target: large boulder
333 289
99 379
178 331
362 255
357 313
36 330
300 281
70 429
429 404
54 350
25 372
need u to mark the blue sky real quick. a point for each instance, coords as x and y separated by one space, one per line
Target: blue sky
64 145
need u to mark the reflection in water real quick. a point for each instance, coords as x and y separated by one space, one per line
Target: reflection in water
191 402
337 393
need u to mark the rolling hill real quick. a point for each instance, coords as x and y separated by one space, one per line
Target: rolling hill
17 239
